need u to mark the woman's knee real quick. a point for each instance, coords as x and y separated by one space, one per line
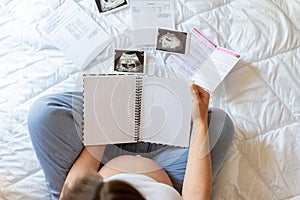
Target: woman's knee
39 115
56 117
221 125
222 118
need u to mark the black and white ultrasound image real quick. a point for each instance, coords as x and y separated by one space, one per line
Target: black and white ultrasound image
129 61
171 41
110 5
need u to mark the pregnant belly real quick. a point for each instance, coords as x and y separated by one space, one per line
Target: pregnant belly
137 165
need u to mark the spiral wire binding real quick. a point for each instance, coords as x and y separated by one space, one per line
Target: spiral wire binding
137 107
82 123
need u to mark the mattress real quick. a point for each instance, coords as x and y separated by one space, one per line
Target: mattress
261 93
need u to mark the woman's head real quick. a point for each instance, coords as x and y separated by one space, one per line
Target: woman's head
90 188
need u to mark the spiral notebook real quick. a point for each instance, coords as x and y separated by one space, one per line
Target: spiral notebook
130 108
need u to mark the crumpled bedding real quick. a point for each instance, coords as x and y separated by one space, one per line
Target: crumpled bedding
261 93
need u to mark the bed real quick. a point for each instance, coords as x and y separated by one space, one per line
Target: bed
261 93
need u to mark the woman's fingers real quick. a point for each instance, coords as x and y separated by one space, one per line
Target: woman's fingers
195 92
200 94
200 103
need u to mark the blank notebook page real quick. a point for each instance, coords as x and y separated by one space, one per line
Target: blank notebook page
166 111
109 109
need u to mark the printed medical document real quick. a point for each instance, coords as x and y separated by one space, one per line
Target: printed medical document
206 64
150 14
75 33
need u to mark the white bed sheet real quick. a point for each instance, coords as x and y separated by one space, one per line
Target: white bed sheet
261 93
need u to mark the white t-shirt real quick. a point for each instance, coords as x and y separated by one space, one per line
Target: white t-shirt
148 187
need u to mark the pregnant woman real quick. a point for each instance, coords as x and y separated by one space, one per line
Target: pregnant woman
127 171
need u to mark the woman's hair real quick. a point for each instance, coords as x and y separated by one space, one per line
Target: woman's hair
92 187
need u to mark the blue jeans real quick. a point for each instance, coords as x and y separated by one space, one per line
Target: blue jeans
55 126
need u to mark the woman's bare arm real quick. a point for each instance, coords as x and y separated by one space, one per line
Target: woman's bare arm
86 163
198 176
